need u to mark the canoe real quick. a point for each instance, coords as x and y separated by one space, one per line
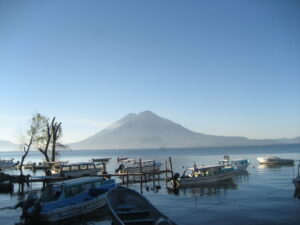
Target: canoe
128 207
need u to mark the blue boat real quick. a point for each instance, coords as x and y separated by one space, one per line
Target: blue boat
67 199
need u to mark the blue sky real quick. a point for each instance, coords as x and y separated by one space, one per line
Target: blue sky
216 67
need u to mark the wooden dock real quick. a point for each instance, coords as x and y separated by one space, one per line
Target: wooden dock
126 178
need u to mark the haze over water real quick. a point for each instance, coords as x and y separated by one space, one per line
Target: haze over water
264 195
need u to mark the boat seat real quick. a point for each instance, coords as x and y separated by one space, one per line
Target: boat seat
145 221
133 214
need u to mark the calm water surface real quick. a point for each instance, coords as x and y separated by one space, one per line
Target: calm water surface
263 195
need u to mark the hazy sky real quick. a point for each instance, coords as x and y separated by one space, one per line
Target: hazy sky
216 67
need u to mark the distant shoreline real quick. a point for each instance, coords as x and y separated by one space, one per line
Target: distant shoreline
155 149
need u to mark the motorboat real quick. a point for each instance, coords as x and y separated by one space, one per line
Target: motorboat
129 207
67 199
203 175
240 164
73 170
274 160
8 163
135 166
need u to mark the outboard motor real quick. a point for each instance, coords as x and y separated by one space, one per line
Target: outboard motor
121 167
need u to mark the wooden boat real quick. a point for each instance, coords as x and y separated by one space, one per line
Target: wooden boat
67 199
273 160
240 164
203 175
7 163
128 207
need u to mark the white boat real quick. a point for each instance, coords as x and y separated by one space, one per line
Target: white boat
41 166
73 170
7 163
240 164
134 166
271 160
29 165
296 180
67 199
204 175
129 207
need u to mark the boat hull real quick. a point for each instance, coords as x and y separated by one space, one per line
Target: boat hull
73 210
129 207
202 180
275 161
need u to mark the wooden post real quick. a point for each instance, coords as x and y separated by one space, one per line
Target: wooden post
171 166
166 169
103 168
141 175
153 174
127 178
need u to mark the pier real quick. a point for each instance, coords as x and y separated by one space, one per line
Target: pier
126 178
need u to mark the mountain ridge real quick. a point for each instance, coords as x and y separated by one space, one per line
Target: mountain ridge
148 130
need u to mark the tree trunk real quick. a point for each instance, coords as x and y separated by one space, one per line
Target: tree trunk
26 151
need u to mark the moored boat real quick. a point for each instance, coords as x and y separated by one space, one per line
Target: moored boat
129 207
7 163
134 166
74 170
272 160
240 164
67 199
204 175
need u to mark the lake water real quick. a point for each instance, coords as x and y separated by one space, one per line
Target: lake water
263 195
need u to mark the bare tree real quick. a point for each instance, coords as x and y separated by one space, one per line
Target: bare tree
30 136
48 137
56 135
44 135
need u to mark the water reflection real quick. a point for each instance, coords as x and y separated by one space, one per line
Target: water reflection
205 190
297 193
241 177
274 166
99 217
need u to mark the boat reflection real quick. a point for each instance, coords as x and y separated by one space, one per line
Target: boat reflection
274 166
99 216
205 190
241 177
297 193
